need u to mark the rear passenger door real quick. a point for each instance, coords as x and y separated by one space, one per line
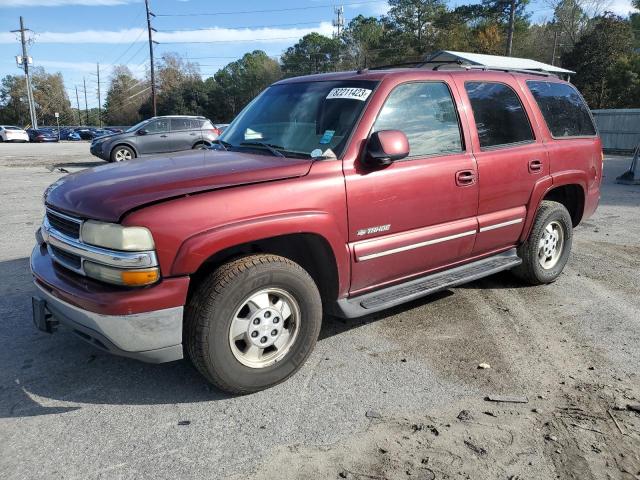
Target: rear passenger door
184 134
510 159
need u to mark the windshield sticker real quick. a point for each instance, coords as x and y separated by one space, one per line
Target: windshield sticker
252 135
326 138
349 93
328 153
317 153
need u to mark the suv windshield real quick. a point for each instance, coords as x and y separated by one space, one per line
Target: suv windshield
300 119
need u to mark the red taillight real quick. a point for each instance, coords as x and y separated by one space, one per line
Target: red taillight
215 131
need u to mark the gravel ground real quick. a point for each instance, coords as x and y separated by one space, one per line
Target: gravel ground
391 396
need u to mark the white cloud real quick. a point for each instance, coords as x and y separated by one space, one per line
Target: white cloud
86 67
60 3
216 34
620 7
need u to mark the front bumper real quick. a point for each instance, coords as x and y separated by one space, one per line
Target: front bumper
96 150
152 336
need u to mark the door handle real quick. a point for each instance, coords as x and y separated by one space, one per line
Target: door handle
163 136
535 166
465 178
192 134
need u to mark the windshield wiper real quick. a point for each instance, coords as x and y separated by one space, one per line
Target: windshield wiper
272 148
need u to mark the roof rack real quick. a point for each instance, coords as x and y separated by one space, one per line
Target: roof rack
491 69
461 65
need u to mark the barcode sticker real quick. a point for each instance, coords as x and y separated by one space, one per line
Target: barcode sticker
349 93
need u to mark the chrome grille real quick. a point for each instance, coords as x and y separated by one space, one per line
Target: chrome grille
66 259
64 224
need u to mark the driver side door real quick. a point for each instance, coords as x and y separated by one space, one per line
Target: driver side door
418 214
156 140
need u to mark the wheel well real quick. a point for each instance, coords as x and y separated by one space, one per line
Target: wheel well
123 145
310 251
572 197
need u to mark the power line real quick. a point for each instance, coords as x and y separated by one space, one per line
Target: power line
269 10
235 27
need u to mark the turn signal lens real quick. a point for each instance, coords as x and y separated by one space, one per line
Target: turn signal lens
118 276
136 278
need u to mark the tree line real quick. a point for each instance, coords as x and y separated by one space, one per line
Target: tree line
602 48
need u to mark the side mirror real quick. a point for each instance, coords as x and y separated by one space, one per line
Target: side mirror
142 131
385 147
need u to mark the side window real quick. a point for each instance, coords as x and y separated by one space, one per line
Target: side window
563 109
158 126
499 115
180 124
425 112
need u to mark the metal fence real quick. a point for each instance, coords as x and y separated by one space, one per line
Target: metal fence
619 129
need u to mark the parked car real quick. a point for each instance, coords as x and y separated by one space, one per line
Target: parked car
342 193
85 133
42 135
9 133
156 135
219 128
69 134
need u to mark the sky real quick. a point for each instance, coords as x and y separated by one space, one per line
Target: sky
72 36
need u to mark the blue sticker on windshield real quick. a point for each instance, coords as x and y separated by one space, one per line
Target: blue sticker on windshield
326 138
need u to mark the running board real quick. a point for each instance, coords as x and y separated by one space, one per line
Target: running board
420 287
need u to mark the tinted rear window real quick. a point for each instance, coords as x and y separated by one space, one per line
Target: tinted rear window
562 107
499 114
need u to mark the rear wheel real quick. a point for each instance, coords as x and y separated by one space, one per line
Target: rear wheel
546 252
200 146
253 323
122 153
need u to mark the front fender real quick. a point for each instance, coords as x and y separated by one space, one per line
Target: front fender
197 249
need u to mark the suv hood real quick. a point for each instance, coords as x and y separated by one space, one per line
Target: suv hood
108 192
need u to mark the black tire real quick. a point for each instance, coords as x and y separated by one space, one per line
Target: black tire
200 146
531 270
210 311
115 157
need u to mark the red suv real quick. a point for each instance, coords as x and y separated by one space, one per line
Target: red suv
343 193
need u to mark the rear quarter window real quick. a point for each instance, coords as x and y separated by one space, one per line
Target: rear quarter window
563 109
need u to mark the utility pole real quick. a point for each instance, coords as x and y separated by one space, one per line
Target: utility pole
24 62
555 46
86 108
151 42
78 106
99 100
338 22
512 21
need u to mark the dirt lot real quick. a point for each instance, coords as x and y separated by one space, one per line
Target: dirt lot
397 395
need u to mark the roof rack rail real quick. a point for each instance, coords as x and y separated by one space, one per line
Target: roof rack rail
459 64
492 69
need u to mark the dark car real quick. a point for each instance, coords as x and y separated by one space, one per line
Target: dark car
42 135
156 135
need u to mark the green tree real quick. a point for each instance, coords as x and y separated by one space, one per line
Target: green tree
595 53
314 53
235 85
623 82
13 102
125 96
415 20
364 42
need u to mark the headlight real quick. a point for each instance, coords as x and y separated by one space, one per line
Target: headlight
117 237
118 276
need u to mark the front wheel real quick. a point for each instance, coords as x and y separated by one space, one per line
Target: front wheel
252 323
122 153
546 252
